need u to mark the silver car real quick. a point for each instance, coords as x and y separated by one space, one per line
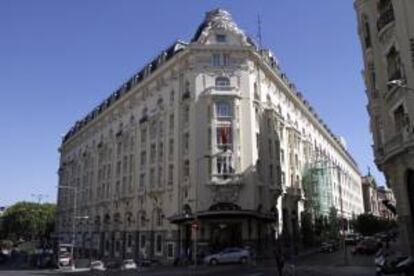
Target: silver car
98 266
128 264
228 255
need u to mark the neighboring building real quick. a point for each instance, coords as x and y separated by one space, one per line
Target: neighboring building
386 30
212 134
370 195
385 197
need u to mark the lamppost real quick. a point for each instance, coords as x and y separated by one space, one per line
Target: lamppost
75 191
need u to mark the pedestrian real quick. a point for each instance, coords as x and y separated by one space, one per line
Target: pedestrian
280 262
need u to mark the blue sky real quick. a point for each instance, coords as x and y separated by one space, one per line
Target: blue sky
59 59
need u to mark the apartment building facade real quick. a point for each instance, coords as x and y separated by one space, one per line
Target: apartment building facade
386 30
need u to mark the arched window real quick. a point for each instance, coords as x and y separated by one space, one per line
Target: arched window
222 81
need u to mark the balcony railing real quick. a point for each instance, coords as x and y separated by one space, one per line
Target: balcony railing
385 18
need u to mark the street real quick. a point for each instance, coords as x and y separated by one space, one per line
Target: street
315 264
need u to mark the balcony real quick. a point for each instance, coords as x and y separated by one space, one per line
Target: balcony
393 143
386 17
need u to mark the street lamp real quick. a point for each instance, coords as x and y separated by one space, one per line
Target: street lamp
75 191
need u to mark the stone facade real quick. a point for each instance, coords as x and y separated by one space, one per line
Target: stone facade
370 195
209 141
386 30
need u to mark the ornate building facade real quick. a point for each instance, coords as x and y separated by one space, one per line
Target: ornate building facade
386 30
210 142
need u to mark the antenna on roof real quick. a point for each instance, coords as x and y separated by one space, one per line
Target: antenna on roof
259 30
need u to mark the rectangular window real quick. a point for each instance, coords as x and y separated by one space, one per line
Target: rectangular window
158 243
170 250
171 123
152 153
216 60
143 159
223 110
224 136
118 168
143 241
131 163
152 177
186 114
142 180
160 151
186 168
186 142
226 60
172 96
143 137
170 174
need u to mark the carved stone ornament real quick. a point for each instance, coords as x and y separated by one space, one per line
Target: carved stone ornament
219 20
226 193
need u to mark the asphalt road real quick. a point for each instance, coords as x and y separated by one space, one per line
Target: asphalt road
318 264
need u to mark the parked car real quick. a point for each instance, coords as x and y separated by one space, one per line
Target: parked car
366 246
65 260
128 264
98 266
329 246
228 255
351 239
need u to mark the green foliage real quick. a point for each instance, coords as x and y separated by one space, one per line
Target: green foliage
6 244
28 220
368 224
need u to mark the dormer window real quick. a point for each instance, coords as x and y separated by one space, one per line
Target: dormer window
221 38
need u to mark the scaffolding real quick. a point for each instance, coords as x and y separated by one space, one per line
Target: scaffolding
317 183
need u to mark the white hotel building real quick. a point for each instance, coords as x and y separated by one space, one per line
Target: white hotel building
210 131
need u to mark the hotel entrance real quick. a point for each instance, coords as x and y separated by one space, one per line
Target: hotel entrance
225 234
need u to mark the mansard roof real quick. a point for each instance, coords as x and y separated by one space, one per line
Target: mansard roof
137 78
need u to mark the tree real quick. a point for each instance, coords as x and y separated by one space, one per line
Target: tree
28 221
368 224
